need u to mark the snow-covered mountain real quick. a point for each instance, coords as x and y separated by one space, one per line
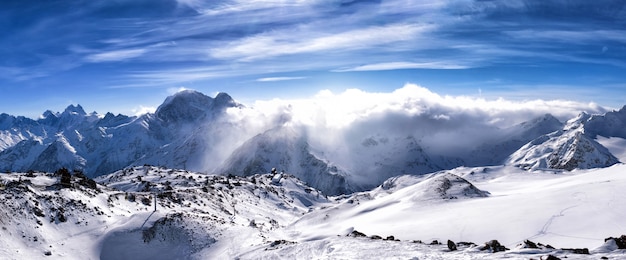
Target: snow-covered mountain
572 147
182 134
286 149
196 132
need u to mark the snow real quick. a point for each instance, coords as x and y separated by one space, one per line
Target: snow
559 209
256 217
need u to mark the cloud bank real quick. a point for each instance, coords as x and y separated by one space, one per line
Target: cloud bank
340 110
340 126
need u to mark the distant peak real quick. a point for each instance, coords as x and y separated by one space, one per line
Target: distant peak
48 114
549 118
223 95
544 120
186 92
224 100
187 95
77 110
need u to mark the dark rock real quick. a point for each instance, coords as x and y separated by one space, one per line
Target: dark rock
582 251
550 257
355 233
620 241
376 237
468 244
390 238
451 245
494 246
435 242
529 244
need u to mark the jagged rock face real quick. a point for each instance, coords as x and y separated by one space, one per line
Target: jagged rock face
567 149
581 152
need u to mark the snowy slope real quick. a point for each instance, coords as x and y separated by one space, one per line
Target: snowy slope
557 209
195 214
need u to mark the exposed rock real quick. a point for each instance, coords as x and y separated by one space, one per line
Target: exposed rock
466 244
355 233
451 245
582 251
620 241
529 244
494 246
547 246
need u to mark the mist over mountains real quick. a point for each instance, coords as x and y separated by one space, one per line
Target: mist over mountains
339 148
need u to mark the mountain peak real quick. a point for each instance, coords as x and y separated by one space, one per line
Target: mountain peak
545 121
48 114
75 110
185 105
190 105
224 100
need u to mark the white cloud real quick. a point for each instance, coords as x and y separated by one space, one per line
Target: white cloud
288 42
172 91
141 110
270 79
404 65
408 106
571 36
337 123
117 55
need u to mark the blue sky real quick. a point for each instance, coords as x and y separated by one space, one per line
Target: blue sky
122 55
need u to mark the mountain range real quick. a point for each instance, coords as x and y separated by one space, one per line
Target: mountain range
196 132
